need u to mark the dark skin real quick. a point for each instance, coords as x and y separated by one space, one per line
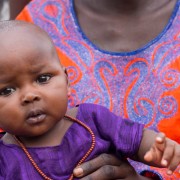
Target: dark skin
123 25
107 166
118 26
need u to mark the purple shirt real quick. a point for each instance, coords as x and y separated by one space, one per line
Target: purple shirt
113 135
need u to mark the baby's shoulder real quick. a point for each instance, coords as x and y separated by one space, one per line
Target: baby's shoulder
84 107
72 112
92 108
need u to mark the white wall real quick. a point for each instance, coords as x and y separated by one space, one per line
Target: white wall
4 10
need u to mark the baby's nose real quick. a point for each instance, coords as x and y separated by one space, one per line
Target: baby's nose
30 98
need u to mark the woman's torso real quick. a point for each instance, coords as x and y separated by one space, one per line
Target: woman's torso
142 85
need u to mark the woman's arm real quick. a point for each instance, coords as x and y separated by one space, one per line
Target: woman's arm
106 167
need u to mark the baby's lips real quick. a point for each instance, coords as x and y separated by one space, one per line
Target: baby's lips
36 119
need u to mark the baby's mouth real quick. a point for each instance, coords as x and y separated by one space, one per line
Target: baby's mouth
35 116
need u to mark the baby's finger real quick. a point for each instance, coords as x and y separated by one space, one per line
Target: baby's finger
160 141
149 156
175 161
153 155
168 153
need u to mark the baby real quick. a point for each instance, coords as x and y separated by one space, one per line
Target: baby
45 140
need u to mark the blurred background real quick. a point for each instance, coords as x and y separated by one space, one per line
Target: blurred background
4 10
9 9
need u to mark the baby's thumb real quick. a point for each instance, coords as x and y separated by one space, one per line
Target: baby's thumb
148 156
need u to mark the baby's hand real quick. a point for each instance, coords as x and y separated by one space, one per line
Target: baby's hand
165 153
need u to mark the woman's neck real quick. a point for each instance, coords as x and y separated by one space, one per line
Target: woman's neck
109 24
120 6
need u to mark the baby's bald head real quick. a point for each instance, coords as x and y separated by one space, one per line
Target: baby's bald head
31 79
7 27
20 35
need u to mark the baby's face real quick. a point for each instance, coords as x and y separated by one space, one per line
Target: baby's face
33 85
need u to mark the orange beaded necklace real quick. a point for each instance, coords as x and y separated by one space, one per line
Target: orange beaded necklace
80 162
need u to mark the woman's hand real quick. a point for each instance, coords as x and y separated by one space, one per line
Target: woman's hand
106 167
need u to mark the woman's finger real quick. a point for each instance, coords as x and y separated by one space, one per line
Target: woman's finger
105 166
109 172
96 163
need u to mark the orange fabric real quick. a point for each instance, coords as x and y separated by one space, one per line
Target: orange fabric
171 126
66 61
24 15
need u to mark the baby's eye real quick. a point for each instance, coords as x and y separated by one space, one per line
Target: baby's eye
44 78
6 91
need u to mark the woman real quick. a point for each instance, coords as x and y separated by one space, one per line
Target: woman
121 54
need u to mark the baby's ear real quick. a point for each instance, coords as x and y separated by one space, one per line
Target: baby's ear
68 83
